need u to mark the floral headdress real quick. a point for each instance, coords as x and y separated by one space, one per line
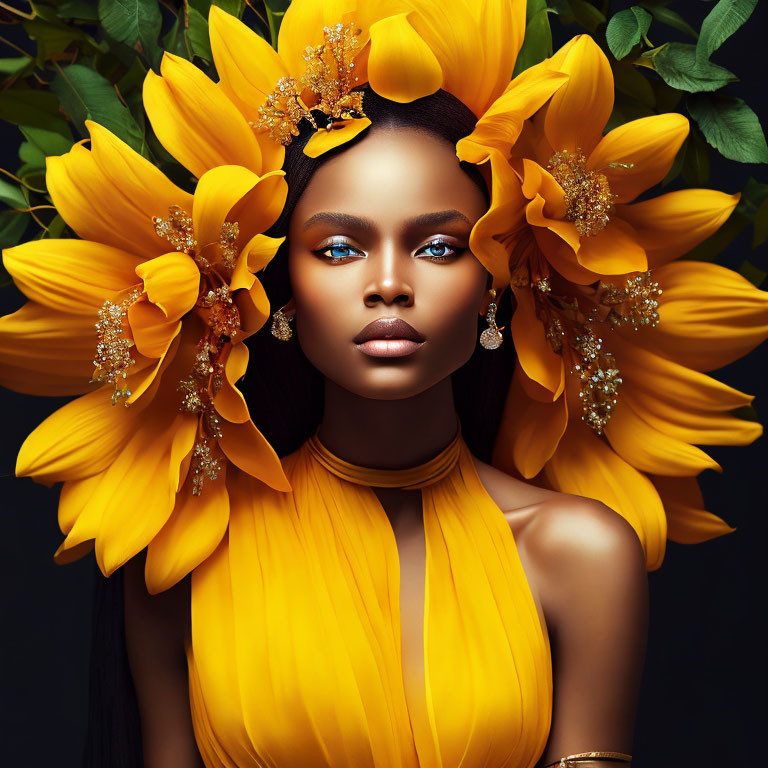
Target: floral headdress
152 305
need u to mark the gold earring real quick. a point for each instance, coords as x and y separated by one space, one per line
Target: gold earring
491 337
281 326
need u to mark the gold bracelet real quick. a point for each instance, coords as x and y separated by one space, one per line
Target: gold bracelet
571 760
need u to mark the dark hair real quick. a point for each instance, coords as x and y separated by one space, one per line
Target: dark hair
285 397
285 392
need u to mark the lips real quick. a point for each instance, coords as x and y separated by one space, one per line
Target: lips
388 328
388 337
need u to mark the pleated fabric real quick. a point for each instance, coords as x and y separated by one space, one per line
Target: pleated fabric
295 656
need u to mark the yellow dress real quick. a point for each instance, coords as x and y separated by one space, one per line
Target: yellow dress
295 651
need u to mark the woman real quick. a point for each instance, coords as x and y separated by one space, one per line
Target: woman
376 242
298 637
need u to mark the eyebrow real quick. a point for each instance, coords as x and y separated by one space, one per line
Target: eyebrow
347 221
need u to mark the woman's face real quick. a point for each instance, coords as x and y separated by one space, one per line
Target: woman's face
381 234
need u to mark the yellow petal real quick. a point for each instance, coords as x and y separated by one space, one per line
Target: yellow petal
687 521
683 404
529 431
254 256
249 450
578 112
500 126
192 532
72 276
79 440
504 217
614 251
585 465
253 306
709 316
670 225
196 122
401 66
45 352
172 283
534 353
229 402
152 331
303 24
258 208
110 194
650 450
343 131
137 493
560 255
81 529
501 26
647 145
248 68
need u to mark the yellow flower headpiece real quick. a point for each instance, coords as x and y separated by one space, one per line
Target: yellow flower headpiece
609 399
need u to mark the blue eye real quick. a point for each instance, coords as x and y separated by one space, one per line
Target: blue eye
338 252
437 250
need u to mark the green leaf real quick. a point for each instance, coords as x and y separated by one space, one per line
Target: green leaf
133 21
563 10
23 106
625 110
86 95
48 142
15 65
233 7
630 82
587 15
78 9
761 225
721 22
752 273
696 164
13 225
537 44
671 19
753 196
197 34
175 41
56 227
676 64
730 126
33 159
626 29
11 195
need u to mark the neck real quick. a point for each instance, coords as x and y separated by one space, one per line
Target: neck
388 434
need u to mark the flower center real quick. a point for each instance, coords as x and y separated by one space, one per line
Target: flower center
588 197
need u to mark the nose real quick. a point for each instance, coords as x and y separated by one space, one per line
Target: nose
388 279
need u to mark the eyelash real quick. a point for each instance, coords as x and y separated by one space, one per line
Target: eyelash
341 259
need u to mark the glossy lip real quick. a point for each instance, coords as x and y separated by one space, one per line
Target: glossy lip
388 337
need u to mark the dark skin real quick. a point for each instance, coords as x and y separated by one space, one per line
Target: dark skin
382 231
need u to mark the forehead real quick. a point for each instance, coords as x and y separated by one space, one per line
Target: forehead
391 175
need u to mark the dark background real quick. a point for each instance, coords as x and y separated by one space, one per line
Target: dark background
703 696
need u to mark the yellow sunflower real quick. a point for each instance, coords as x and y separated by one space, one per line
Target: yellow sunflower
404 50
145 319
612 339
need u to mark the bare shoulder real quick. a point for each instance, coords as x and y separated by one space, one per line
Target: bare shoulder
566 539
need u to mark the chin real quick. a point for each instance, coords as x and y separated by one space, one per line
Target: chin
388 383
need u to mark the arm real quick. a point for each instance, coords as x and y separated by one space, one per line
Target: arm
155 626
590 570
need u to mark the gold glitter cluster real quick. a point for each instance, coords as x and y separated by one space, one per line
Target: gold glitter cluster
329 74
113 347
176 229
588 197
599 379
636 304
570 324
199 389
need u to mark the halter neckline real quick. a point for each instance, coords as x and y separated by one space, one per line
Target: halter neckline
410 478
